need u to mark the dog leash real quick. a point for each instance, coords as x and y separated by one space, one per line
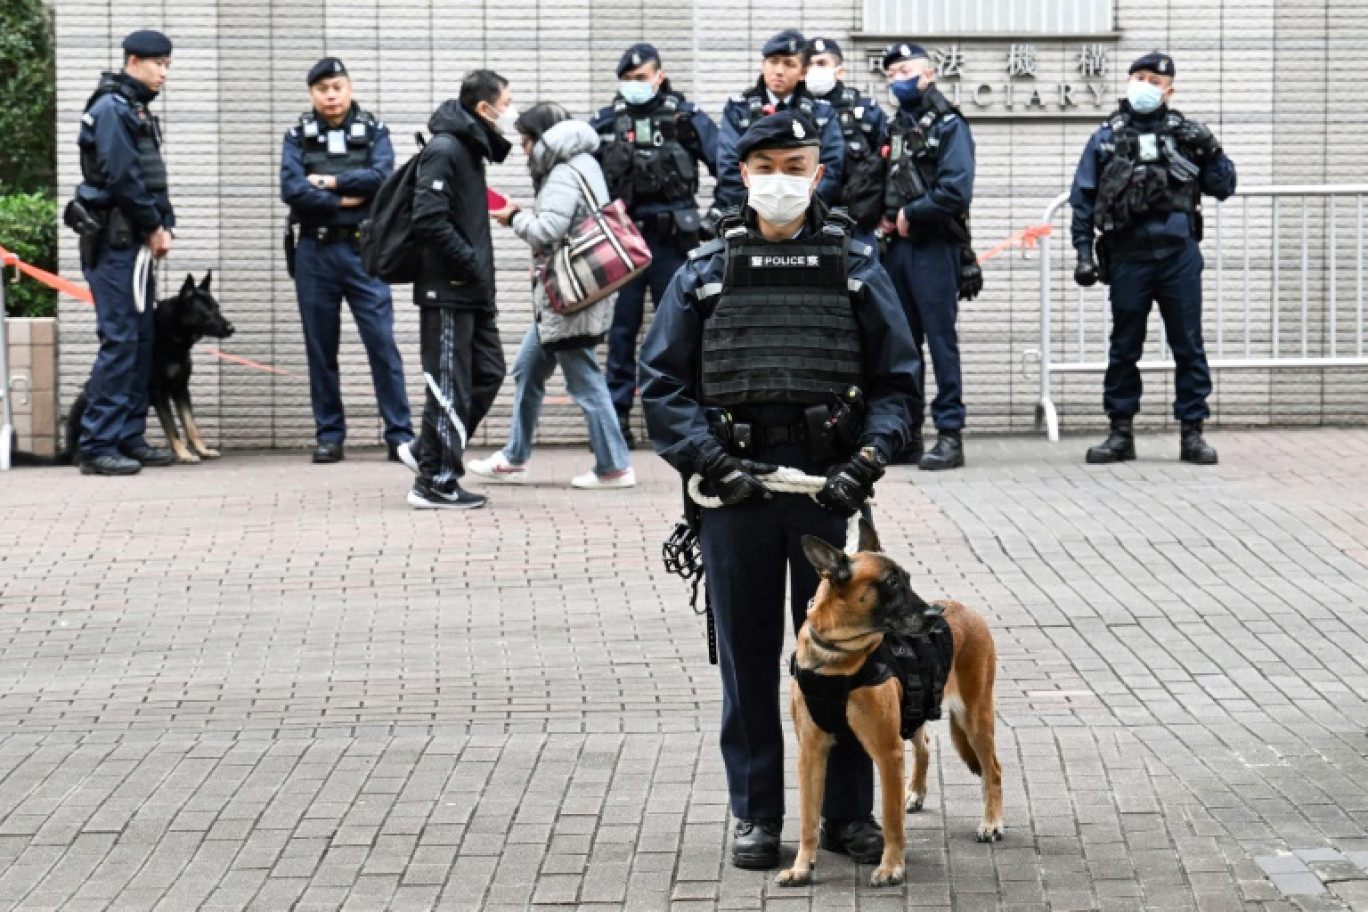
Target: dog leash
142 268
783 480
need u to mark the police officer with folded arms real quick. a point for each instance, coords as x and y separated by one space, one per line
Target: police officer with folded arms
929 186
779 343
653 143
124 214
1137 199
331 163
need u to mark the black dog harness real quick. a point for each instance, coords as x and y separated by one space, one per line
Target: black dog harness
921 663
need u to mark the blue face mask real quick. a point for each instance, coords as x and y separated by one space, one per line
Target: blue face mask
1144 97
636 93
905 92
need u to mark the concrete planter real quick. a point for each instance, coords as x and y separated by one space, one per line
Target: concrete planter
33 383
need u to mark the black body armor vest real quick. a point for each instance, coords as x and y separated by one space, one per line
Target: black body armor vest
150 163
912 152
331 151
1144 174
783 329
756 98
645 159
859 140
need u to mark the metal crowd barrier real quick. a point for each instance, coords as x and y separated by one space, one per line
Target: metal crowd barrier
1260 337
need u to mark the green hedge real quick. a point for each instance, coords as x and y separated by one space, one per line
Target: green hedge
28 228
28 97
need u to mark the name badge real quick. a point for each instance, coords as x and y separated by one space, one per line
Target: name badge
337 142
1148 147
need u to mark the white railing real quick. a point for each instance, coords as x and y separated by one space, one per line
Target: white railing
1261 331
6 405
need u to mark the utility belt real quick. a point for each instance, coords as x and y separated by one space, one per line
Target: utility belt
681 225
331 234
826 432
99 223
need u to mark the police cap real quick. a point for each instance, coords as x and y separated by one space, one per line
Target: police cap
786 129
637 55
903 50
326 68
788 43
1155 62
147 43
825 46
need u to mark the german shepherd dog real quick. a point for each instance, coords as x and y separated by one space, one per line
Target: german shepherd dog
181 322
860 598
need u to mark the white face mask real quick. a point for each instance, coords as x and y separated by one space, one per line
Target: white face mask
507 119
1144 97
820 80
780 198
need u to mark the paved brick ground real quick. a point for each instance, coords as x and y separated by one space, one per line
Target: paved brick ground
260 684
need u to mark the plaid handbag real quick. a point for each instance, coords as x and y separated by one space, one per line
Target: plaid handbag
603 253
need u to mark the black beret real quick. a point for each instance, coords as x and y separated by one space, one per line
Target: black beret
147 43
1155 62
789 43
786 129
637 55
825 46
904 50
327 68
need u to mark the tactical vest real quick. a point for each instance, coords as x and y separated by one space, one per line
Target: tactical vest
150 163
1144 175
855 130
756 98
333 150
782 329
912 151
644 159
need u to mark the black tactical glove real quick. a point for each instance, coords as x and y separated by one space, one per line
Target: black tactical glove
707 225
849 486
971 275
1198 139
1085 273
732 479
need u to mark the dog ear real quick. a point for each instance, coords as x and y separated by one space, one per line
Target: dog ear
828 560
208 277
869 539
189 287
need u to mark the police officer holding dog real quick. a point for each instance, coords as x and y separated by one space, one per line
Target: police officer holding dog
1137 196
779 343
654 142
331 163
123 212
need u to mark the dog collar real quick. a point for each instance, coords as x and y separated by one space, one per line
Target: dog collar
834 645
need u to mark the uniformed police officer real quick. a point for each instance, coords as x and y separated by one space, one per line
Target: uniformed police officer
864 126
124 191
653 142
779 88
332 162
730 391
930 184
1137 194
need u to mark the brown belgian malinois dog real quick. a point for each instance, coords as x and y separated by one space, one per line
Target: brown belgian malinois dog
861 597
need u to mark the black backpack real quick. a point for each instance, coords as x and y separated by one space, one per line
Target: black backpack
389 251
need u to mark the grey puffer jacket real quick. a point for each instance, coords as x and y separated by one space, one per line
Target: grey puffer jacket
559 209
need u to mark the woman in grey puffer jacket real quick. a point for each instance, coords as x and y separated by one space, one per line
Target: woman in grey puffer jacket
555 145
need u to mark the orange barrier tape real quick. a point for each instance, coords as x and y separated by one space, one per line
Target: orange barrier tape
243 361
1026 237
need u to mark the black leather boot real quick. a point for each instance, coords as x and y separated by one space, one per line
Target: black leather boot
948 453
862 840
625 426
1119 445
1193 448
755 844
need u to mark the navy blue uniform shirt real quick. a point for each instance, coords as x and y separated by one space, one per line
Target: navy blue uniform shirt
731 189
111 126
704 151
952 187
316 207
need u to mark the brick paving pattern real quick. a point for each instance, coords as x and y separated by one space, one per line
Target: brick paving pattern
260 684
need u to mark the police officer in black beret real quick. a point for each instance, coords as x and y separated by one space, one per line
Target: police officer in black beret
767 336
331 164
654 142
125 219
1137 196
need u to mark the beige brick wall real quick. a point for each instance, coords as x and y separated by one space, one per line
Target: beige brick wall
1275 79
33 377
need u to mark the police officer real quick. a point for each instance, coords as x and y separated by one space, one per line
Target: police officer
1137 194
653 142
332 162
779 88
717 406
124 190
930 184
864 126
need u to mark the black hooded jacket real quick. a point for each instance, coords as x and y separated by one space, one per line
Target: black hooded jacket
450 212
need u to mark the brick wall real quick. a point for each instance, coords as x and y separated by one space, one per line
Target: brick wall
33 374
237 84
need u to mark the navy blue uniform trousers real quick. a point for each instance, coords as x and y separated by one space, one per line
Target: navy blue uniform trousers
926 278
750 552
1175 282
324 275
629 312
116 417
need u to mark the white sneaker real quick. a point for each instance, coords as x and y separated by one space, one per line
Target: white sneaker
497 468
593 481
405 453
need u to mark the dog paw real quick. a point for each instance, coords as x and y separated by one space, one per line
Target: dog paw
915 801
209 454
887 876
794 877
989 832
187 458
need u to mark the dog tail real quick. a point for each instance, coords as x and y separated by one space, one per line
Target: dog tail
962 747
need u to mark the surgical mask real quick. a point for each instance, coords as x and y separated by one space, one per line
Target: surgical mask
636 93
507 119
905 92
1144 97
780 198
820 80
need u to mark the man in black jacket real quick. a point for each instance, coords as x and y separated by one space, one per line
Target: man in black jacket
463 364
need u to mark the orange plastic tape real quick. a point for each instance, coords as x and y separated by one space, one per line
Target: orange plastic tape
246 363
47 278
1026 237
